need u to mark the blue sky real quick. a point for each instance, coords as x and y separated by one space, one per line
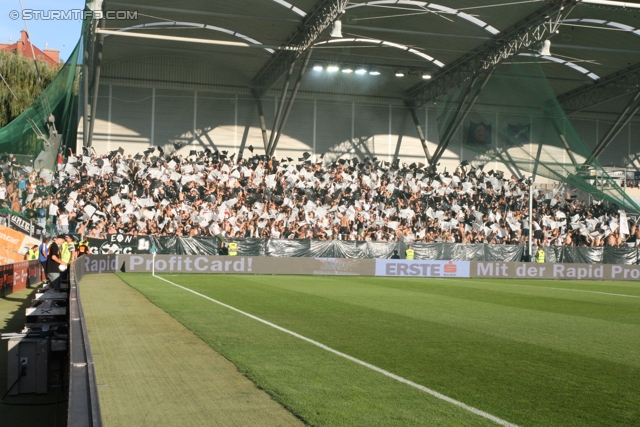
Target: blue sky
60 35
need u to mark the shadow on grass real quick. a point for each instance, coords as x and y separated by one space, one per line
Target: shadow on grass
14 322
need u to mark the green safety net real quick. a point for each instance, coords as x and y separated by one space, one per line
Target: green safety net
517 120
60 99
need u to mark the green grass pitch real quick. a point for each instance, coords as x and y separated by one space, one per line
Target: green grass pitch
533 353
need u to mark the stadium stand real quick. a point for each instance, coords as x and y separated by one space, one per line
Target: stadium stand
214 194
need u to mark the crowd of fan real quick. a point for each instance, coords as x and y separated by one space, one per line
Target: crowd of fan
213 194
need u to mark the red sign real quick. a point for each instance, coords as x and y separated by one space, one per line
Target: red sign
20 275
35 272
450 267
6 279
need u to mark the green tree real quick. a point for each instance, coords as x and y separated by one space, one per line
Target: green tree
20 73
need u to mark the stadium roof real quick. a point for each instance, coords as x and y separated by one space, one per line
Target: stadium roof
444 39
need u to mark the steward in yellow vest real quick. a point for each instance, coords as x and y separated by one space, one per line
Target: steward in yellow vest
83 247
233 249
67 250
409 253
33 253
540 255
65 253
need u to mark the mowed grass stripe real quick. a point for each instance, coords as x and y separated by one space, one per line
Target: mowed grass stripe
321 388
152 371
475 343
526 384
605 291
562 324
433 393
631 288
509 294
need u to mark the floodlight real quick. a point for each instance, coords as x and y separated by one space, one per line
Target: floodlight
333 68
361 70
347 70
318 67
374 72
545 49
336 31
400 73
426 76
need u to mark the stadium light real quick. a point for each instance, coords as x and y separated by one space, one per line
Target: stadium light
374 72
426 76
336 31
400 73
318 67
545 49
361 70
347 70
333 68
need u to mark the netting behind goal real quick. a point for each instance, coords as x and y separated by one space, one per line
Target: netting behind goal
518 121
21 135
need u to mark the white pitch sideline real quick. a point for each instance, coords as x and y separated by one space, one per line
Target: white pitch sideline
433 393
549 287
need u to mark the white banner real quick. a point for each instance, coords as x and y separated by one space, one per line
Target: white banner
400 267
624 224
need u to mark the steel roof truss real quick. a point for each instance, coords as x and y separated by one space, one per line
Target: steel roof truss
319 19
608 88
530 31
623 120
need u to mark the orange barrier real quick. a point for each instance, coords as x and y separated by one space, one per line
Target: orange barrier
14 245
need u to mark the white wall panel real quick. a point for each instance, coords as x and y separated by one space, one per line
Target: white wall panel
298 132
589 130
371 131
101 140
342 128
216 121
618 149
403 131
173 118
249 133
333 129
130 126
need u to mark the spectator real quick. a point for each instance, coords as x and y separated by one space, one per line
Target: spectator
54 261
44 254
212 194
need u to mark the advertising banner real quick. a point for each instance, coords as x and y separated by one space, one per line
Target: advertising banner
20 275
6 280
222 265
192 264
25 226
8 257
14 245
35 272
120 244
399 267
522 270
29 242
10 239
10 245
